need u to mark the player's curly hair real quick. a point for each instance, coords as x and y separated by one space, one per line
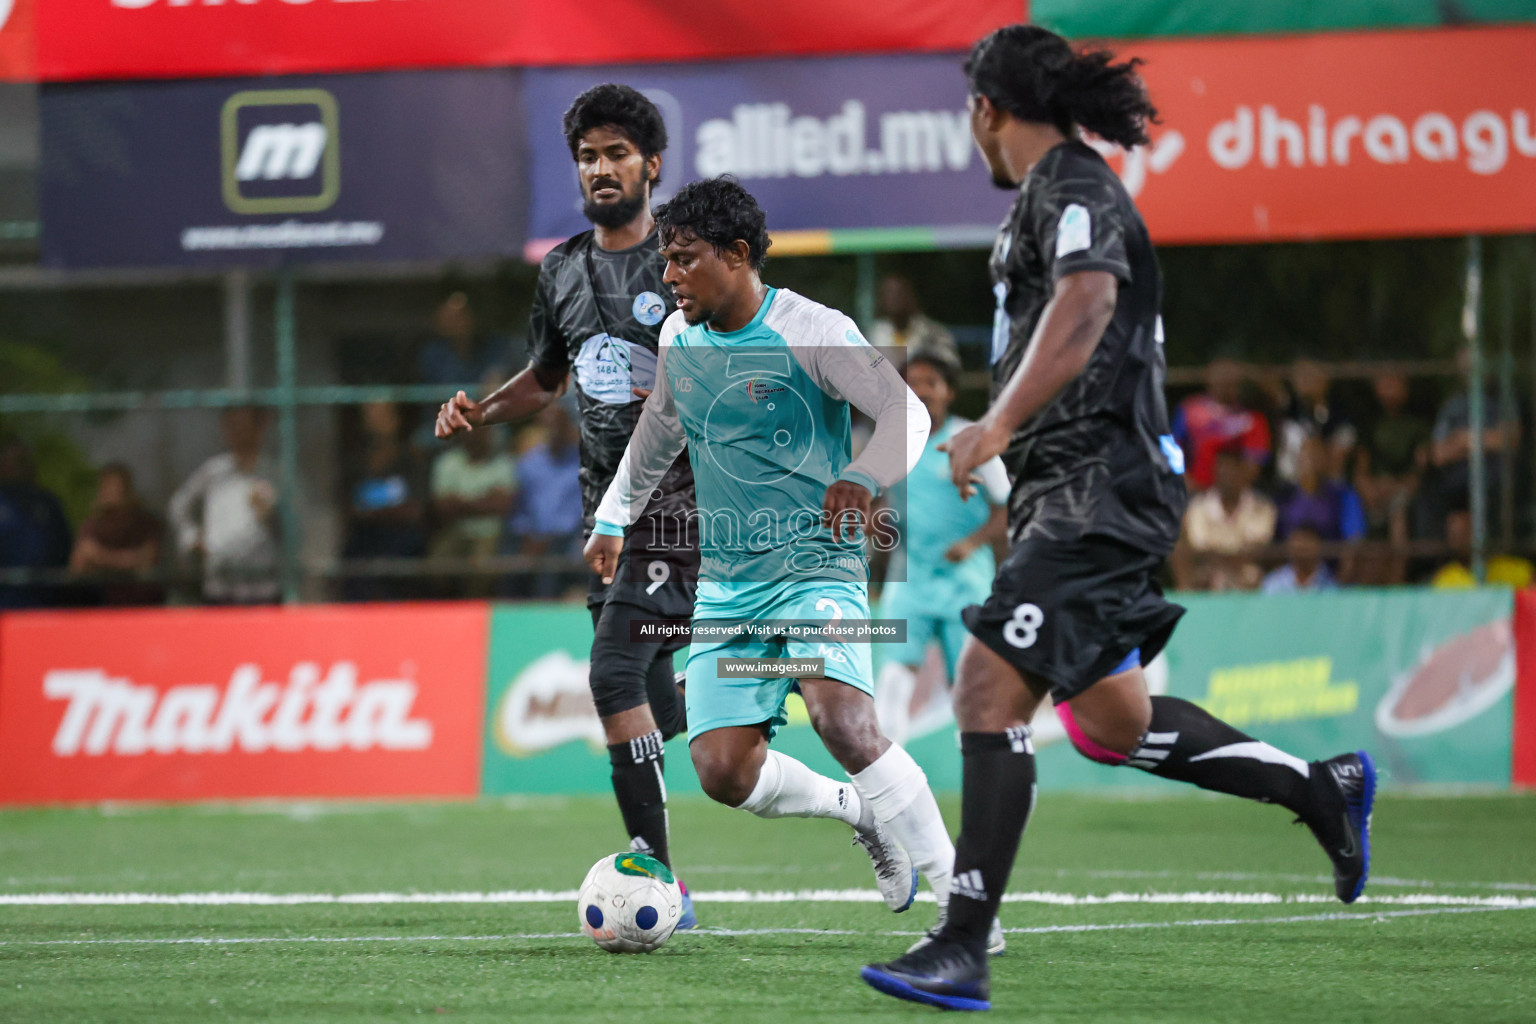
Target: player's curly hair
624 108
719 211
1035 75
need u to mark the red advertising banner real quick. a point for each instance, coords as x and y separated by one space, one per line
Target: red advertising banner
1349 135
1523 766
87 39
17 49
188 704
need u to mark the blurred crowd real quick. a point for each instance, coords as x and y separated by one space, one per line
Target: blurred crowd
1296 484
1294 487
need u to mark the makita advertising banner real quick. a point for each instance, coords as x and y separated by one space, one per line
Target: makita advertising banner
457 699
253 172
84 39
1336 136
190 704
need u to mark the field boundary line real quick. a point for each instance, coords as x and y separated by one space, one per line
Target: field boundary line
218 940
513 896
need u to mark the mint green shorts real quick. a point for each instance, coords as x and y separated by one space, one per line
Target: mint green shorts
716 703
925 625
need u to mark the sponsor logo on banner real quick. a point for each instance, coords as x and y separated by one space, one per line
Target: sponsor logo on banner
212 704
311 711
1452 683
281 151
548 703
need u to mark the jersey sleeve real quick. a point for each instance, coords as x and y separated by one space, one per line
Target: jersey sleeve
657 441
846 367
1078 226
994 481
547 348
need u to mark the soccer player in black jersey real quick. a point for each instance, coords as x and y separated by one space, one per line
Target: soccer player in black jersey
1078 416
597 315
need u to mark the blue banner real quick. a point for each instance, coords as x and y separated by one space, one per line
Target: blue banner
254 172
823 143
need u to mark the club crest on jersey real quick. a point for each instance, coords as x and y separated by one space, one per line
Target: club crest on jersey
648 308
758 389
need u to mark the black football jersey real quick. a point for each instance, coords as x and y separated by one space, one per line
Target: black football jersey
1100 458
597 315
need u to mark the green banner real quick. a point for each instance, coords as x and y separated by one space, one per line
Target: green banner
1133 19
1422 679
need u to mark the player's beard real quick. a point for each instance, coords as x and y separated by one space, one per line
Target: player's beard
615 214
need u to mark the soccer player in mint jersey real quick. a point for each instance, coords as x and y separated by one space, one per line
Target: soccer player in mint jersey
945 559
758 382
1078 417
597 313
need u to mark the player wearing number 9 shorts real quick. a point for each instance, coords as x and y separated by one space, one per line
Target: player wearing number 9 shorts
597 313
1079 419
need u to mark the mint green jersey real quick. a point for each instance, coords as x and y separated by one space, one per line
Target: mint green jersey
765 414
935 518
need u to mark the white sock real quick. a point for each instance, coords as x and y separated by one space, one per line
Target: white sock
788 789
897 790
893 700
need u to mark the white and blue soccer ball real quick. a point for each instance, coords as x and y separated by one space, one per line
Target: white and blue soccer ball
629 903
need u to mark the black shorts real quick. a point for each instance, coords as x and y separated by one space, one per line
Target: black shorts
1069 612
661 583
626 673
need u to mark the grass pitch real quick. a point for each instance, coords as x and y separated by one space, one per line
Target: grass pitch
1190 909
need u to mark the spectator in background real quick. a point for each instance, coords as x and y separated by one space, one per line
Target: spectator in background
903 326
34 532
224 515
385 511
1328 508
120 542
456 353
1499 570
1389 464
548 520
1451 446
1304 568
473 484
1309 412
1203 424
1224 528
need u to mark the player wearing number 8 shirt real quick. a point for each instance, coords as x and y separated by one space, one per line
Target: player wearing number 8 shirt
1078 417
597 314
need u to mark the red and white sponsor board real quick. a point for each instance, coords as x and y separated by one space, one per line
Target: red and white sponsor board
366 701
1523 761
95 39
1345 135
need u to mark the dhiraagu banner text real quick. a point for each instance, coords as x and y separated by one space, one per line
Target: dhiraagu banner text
1421 679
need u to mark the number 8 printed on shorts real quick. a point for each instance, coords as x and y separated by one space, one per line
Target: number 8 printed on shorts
1024 628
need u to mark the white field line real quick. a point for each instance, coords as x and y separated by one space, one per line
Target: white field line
1059 899
215 940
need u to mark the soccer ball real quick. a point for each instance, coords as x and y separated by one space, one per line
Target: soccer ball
629 903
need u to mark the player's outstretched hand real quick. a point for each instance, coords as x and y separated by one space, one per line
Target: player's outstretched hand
968 449
845 506
602 554
458 414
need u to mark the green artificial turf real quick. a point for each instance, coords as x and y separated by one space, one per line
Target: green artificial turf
1252 962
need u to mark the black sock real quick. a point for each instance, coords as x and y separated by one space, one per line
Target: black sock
1183 739
642 794
666 700
997 795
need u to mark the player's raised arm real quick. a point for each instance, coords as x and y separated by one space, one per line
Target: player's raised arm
846 366
657 441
